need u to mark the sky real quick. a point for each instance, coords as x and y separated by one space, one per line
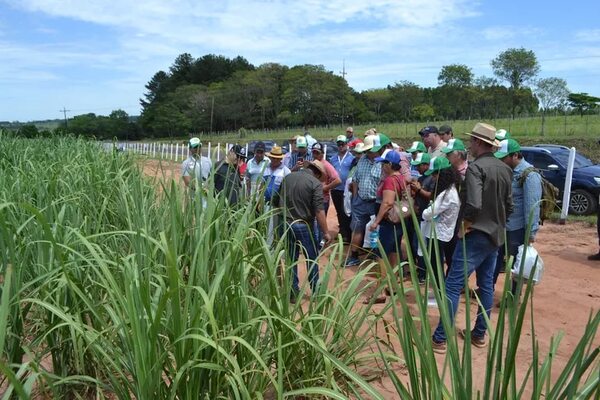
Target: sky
97 55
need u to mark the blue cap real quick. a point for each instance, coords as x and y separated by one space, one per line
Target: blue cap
390 156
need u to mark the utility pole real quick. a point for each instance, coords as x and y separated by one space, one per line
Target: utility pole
212 108
343 90
65 111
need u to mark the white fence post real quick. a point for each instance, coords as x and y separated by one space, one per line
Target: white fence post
567 190
218 152
208 154
153 149
177 152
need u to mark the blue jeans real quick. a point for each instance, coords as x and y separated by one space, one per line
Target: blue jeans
302 235
480 257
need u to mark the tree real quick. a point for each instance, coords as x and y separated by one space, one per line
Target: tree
423 112
551 93
28 131
156 88
455 75
583 102
376 101
516 66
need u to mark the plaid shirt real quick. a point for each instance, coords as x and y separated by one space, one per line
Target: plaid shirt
367 177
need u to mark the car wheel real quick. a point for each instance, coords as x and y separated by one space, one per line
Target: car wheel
582 202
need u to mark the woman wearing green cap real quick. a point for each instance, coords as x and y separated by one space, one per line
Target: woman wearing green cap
439 219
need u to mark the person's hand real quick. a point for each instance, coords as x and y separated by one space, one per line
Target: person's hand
465 228
327 238
373 226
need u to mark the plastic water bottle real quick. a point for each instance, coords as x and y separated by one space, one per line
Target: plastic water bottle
373 238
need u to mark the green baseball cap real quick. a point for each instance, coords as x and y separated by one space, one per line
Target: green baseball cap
194 142
503 134
422 158
417 147
454 145
507 147
383 141
437 164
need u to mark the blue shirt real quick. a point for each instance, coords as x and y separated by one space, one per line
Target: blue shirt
342 165
526 199
293 160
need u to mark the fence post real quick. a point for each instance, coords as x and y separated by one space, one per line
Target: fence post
218 152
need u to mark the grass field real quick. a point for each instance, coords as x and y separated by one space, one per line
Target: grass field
118 286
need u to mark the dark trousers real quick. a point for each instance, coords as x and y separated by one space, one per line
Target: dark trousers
513 240
337 197
443 250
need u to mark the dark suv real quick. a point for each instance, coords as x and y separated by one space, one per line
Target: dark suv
552 160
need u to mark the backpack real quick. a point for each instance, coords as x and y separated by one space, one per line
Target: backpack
549 193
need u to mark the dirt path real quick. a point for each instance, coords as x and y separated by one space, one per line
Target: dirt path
569 291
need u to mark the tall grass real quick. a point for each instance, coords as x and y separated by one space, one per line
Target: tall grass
117 286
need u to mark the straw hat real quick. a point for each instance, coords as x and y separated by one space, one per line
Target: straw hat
275 152
318 165
485 133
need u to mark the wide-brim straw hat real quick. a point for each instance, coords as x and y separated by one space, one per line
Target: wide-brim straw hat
485 133
275 152
318 165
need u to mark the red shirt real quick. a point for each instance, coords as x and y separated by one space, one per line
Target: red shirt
393 182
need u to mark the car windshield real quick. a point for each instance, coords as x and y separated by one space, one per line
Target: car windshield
562 156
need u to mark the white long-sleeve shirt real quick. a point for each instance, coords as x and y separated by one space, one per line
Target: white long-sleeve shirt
442 215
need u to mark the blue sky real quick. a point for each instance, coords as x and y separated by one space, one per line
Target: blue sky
96 56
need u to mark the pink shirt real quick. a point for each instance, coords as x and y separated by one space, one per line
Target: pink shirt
332 175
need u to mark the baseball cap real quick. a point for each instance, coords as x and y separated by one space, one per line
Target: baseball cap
318 147
429 129
194 142
341 138
503 134
259 146
437 164
422 158
383 140
353 143
301 142
239 150
454 145
417 147
507 147
390 156
370 142
445 129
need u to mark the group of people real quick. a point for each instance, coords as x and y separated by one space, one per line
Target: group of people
483 202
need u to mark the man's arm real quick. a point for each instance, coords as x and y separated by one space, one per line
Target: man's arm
532 194
474 193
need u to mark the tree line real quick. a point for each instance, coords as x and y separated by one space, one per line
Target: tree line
214 93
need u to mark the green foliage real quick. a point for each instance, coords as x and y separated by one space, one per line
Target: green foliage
456 75
583 102
130 289
516 66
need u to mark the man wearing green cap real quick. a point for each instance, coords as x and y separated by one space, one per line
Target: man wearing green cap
457 155
196 168
421 190
385 143
415 148
526 195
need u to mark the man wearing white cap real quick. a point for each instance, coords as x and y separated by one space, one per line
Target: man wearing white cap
196 168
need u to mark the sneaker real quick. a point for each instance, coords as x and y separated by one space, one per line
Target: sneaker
352 262
477 341
438 347
594 257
